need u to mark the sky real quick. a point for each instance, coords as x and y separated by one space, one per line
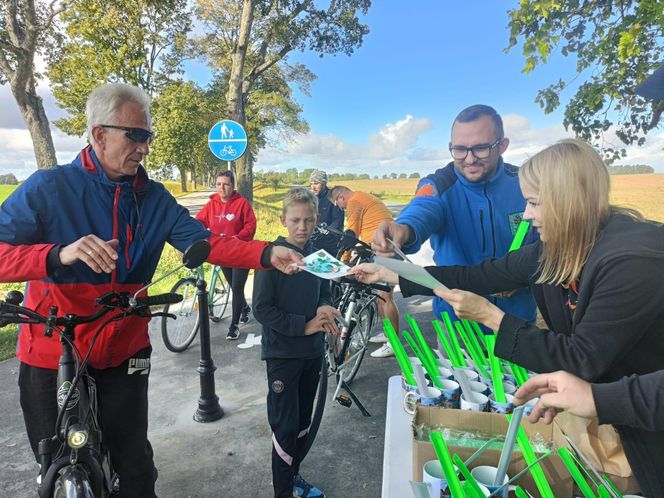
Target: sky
389 107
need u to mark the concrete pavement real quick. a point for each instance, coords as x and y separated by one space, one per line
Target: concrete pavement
231 457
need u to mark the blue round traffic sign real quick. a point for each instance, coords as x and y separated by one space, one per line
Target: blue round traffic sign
227 140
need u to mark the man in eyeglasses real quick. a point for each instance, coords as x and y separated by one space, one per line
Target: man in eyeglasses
78 231
470 209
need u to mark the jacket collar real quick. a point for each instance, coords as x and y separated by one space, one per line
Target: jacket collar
307 249
90 163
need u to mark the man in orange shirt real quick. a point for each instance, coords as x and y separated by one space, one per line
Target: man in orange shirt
364 212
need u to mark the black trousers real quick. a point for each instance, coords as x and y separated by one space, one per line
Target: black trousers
122 396
236 278
292 386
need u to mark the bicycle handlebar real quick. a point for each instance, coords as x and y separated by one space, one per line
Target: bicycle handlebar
357 283
324 229
12 312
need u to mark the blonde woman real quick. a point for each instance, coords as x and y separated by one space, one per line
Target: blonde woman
596 278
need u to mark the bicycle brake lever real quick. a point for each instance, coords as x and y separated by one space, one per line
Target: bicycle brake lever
161 313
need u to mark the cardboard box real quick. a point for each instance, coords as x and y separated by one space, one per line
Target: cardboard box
556 473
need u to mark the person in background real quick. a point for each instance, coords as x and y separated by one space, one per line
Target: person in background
596 277
295 313
328 213
78 231
229 214
365 213
469 210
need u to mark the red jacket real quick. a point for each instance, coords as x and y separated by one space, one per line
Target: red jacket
234 218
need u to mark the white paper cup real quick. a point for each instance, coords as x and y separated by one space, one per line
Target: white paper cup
479 387
472 375
475 407
485 491
529 405
445 373
434 478
451 393
509 388
504 408
486 475
411 399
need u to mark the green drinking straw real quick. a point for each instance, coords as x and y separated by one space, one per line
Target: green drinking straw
472 483
453 338
519 236
478 332
520 493
498 389
576 473
433 360
476 343
431 369
445 460
470 347
399 352
602 492
610 484
445 342
530 458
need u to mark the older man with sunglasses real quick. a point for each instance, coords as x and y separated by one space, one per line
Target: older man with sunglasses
470 209
97 225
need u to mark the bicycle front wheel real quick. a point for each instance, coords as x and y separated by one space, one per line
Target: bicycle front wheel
178 334
218 295
359 341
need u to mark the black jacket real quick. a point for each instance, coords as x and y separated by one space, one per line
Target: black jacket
283 304
333 217
616 330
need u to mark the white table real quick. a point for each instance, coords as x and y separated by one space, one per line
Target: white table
398 451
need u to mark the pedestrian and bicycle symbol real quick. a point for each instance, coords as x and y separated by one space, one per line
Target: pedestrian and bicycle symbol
227 140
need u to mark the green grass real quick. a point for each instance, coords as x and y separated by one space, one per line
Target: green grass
5 190
8 341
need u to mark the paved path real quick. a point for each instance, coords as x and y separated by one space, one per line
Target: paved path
230 457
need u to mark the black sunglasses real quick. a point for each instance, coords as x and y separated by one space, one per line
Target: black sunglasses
138 135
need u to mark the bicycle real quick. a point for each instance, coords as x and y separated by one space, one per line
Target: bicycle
180 334
344 352
74 462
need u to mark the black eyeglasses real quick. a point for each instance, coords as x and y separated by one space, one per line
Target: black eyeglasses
138 135
480 151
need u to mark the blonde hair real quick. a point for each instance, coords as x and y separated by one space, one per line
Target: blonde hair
573 187
300 195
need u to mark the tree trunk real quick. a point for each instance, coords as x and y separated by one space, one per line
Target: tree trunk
32 109
183 178
235 97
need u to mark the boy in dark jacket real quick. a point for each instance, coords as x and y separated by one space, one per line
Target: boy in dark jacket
295 313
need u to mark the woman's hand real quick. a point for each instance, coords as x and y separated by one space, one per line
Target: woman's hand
370 273
472 307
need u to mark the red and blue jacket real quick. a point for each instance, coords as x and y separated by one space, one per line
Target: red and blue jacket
58 206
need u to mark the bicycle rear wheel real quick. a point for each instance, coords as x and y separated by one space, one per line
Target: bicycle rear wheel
319 406
359 341
178 334
218 295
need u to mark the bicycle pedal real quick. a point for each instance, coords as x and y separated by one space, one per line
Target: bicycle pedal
344 400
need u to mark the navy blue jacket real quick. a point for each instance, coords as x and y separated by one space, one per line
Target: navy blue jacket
283 304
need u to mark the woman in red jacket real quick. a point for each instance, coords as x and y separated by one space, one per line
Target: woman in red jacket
229 214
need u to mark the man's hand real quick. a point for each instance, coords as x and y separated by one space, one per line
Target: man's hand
472 307
557 391
285 260
370 273
98 254
396 232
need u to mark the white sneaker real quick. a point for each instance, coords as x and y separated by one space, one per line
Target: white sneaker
378 338
384 351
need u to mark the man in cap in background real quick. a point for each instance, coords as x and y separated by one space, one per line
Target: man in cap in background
328 213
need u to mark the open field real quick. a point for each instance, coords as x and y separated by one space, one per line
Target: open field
642 192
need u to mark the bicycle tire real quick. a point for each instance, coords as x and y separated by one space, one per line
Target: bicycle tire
218 297
178 334
359 342
319 406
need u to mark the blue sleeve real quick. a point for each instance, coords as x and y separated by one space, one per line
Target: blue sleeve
425 214
20 213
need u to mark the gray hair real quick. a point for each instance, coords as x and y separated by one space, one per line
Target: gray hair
105 100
